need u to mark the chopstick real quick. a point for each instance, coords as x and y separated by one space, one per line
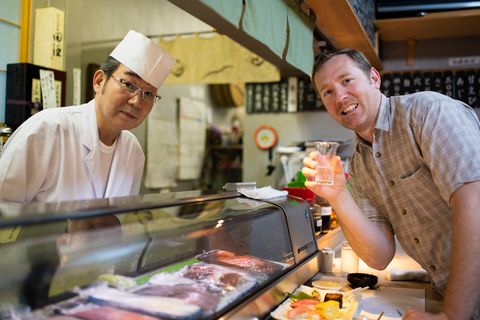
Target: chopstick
348 293
381 314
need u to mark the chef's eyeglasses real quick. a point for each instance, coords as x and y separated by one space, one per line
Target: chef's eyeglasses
132 88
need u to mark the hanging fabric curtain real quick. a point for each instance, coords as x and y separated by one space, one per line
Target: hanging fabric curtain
266 21
300 38
216 60
231 10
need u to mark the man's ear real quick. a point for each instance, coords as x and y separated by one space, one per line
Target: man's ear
99 79
376 78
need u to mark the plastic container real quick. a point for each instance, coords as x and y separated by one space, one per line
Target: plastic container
326 213
316 212
327 260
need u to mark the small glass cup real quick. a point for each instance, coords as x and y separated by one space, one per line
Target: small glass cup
349 259
325 163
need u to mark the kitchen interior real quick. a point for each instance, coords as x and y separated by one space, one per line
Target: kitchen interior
443 40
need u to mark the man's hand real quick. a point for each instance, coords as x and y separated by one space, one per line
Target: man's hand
420 315
329 192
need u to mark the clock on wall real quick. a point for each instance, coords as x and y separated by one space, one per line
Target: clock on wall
265 137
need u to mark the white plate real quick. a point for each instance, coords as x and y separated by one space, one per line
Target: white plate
348 309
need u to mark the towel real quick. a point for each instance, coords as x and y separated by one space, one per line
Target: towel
263 193
403 274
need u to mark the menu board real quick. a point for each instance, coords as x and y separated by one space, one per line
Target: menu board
274 97
463 85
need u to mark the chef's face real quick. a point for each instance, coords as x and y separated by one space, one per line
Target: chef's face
116 109
351 97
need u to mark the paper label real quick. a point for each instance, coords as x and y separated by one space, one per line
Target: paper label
36 90
326 211
47 80
58 93
77 87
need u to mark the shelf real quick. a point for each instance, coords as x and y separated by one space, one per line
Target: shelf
229 147
342 23
450 24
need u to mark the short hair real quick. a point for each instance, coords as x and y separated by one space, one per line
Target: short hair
359 58
109 66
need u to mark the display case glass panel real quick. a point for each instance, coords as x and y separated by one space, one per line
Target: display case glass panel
218 243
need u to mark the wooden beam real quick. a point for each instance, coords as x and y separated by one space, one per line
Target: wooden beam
25 31
342 22
450 24
411 52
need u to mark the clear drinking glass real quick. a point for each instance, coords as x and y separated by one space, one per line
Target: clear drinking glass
325 163
349 259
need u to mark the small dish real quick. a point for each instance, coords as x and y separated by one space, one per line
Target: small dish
327 285
362 280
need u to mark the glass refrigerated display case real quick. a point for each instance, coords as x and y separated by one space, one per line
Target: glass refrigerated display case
185 255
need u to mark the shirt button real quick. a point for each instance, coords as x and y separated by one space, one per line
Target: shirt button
403 211
391 183
416 240
432 268
378 155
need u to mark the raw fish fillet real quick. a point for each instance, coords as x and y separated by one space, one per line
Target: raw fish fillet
161 306
188 293
108 313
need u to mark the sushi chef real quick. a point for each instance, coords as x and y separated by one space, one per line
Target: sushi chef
414 174
86 151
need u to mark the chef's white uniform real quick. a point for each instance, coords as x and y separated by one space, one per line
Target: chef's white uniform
55 156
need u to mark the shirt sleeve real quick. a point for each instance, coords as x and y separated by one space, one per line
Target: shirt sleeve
25 161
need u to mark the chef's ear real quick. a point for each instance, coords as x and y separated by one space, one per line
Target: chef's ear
99 79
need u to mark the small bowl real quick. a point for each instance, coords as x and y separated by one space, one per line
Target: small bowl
362 280
327 285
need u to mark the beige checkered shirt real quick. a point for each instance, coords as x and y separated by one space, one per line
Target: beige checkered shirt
425 147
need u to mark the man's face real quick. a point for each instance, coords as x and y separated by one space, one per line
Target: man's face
118 110
351 97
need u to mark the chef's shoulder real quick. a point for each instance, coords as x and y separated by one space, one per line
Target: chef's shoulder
129 140
55 118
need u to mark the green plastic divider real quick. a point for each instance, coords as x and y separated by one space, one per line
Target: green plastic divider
176 267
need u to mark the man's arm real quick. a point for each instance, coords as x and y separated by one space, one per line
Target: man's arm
463 291
375 247
465 265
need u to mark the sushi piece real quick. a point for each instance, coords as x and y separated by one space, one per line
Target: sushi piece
335 297
300 312
329 309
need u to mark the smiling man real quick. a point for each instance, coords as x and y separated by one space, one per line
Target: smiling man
414 174
86 152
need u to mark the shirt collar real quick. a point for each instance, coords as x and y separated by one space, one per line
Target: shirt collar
383 123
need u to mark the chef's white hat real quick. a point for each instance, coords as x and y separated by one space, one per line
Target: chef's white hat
144 57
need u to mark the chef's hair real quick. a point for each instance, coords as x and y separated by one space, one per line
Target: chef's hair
109 66
357 56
